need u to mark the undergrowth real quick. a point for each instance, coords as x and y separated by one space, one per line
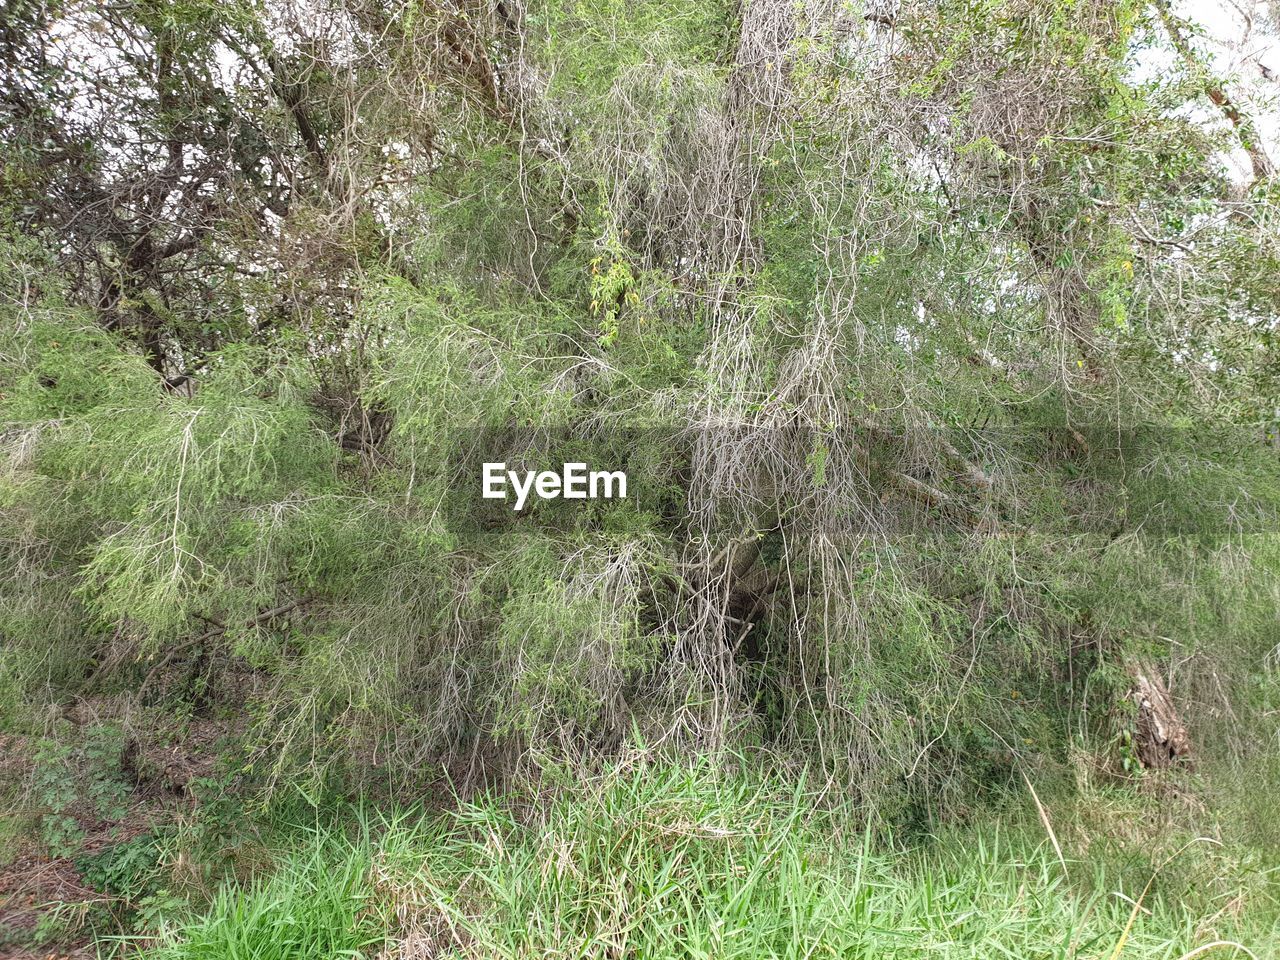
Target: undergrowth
689 861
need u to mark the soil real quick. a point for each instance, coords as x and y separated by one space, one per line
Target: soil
36 886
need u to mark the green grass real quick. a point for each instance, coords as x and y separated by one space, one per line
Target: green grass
658 862
315 905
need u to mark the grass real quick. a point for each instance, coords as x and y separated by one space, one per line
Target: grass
315 905
667 862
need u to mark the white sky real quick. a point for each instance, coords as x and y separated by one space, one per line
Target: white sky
1238 39
1241 40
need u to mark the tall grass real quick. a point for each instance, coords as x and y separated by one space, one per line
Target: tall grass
315 905
682 862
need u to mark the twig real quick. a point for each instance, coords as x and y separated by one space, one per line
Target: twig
217 628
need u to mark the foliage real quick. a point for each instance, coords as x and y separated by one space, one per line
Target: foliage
684 861
313 906
77 779
939 346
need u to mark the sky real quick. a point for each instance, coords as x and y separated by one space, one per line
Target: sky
1241 38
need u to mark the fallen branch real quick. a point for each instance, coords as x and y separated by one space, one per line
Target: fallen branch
217 628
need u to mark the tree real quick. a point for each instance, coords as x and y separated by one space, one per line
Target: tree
899 323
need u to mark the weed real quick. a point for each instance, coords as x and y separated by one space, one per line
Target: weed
683 861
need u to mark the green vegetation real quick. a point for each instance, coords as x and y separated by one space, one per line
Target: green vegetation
685 862
318 904
938 342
